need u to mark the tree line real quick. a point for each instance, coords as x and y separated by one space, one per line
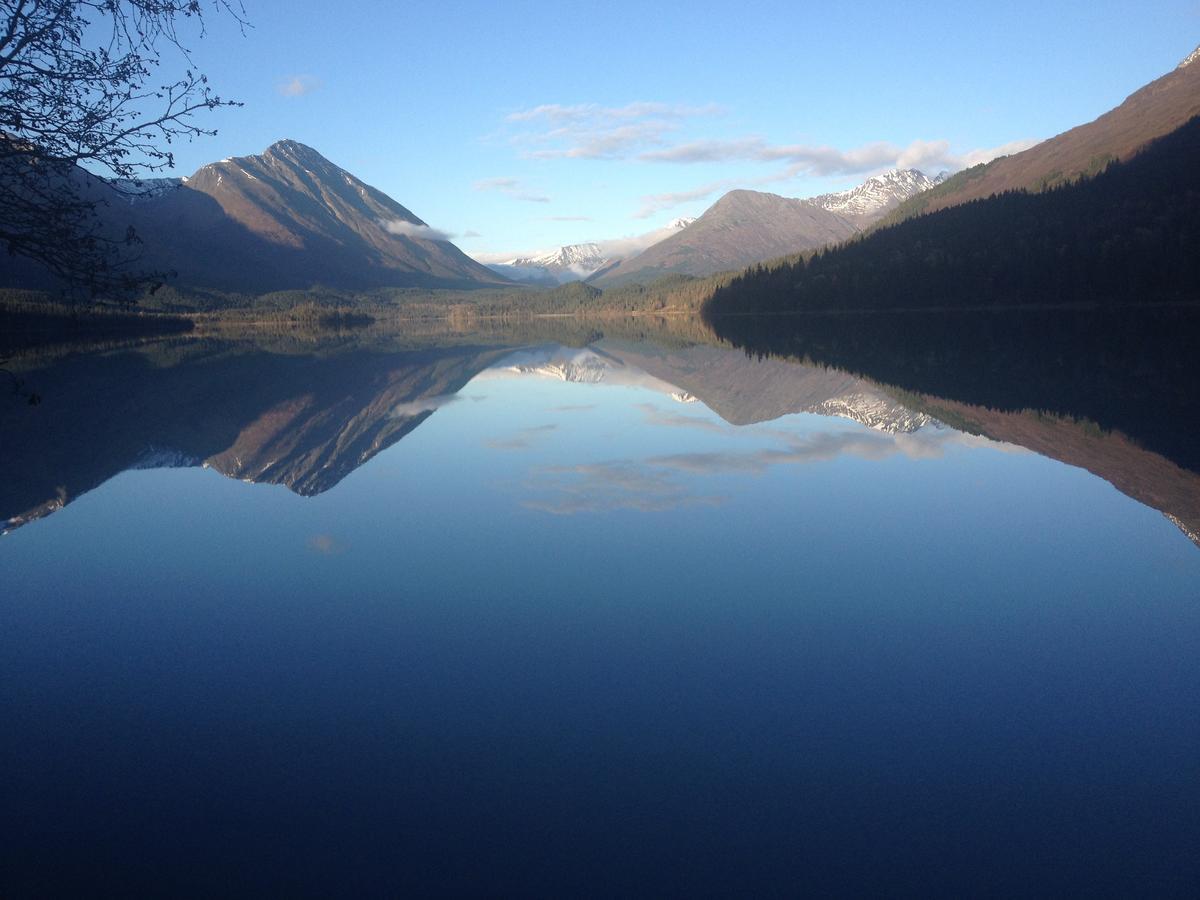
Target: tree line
1131 234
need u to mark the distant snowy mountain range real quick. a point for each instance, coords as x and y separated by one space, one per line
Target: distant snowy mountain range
578 262
817 392
747 227
787 226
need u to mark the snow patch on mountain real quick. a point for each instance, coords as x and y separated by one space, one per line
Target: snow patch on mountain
137 189
866 407
584 368
874 411
876 195
576 262
1191 535
1191 58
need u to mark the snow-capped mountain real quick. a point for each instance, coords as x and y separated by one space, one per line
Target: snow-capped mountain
844 397
574 261
577 262
877 195
583 367
874 410
1191 58
679 224
135 189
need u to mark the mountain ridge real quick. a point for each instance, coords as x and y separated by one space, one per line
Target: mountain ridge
287 218
744 227
1152 111
582 261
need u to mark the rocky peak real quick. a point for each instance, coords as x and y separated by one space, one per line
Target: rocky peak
877 195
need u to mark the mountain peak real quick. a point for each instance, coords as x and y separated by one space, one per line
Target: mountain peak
744 197
287 145
1191 58
583 256
306 221
296 153
877 195
583 261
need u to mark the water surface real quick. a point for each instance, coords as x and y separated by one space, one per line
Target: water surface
500 614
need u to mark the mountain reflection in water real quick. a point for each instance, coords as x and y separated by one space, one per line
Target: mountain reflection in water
611 608
307 416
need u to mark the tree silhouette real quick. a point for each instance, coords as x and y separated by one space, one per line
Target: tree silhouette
80 93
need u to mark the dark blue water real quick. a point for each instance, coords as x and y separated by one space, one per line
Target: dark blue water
563 637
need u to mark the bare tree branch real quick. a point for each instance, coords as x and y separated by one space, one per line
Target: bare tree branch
78 88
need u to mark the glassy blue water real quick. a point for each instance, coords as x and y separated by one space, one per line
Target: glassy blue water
589 637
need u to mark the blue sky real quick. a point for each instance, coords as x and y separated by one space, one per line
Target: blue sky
521 126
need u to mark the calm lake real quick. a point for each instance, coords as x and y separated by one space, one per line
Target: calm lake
587 610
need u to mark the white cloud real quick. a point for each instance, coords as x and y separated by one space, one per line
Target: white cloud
607 487
511 187
422 405
656 203
975 157
822 160
613 248
625 247
491 257
929 156
419 232
594 112
640 131
610 143
592 131
298 85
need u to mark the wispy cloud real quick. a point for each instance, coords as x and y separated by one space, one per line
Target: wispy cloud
667 419
823 160
522 439
422 405
612 248
813 160
325 544
820 446
610 486
607 143
669 481
656 203
928 156
640 131
975 157
593 131
413 230
511 187
298 85
594 112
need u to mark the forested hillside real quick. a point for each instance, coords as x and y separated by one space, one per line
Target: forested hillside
1129 235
